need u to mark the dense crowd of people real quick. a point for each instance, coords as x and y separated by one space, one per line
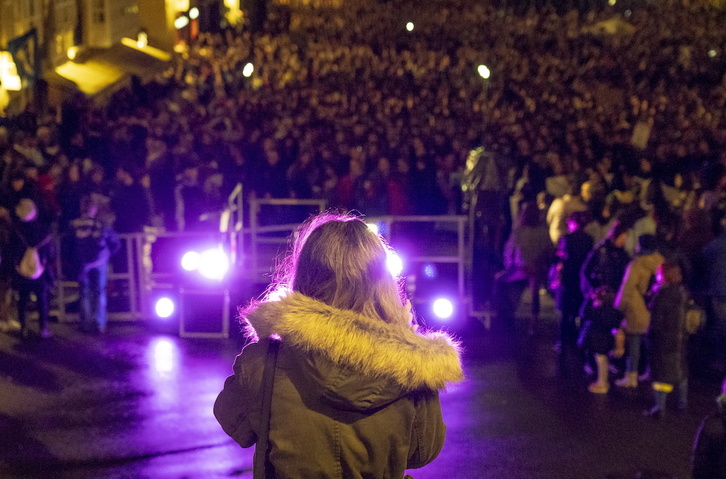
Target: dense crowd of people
607 124
376 106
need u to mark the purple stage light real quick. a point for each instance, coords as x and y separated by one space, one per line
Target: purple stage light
443 308
214 264
164 308
190 261
394 263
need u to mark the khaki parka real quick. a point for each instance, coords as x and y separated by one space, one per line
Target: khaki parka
353 397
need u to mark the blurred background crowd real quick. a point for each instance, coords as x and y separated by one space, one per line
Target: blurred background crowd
376 107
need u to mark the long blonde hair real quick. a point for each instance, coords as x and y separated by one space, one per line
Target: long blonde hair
336 259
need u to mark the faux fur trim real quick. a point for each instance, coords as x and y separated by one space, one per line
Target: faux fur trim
370 346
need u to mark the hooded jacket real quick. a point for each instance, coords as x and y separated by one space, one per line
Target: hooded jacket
353 397
634 289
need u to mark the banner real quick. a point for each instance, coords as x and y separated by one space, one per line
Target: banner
26 55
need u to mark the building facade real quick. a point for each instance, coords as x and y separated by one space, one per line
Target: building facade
106 22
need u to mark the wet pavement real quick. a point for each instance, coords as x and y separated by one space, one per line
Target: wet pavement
137 403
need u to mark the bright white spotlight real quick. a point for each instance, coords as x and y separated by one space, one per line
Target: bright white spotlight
409 26
483 71
373 227
248 70
443 308
190 261
213 264
394 263
164 308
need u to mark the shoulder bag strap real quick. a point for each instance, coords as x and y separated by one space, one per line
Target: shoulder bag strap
268 377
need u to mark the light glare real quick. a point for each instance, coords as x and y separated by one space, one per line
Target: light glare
394 263
213 264
248 70
373 227
484 71
443 308
409 26
164 308
190 261
712 53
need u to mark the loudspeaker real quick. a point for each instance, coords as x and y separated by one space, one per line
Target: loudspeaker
204 313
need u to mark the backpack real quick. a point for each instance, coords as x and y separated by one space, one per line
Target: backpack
30 265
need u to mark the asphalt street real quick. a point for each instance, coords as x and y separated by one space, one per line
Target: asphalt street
137 403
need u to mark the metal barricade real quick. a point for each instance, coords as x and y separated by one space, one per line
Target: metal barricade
139 269
260 233
458 252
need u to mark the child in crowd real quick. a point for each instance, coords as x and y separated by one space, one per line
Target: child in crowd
668 338
600 328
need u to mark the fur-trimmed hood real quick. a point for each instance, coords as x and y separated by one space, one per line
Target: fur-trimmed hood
370 347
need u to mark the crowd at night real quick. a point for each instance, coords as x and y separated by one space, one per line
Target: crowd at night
353 106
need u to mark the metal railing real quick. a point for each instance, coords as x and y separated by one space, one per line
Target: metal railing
253 251
460 256
259 233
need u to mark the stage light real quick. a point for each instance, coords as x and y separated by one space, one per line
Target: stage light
194 13
484 71
164 308
430 271
612 2
443 308
394 263
190 261
712 53
213 264
373 227
409 26
628 13
248 70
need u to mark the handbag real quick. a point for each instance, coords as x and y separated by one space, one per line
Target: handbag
268 378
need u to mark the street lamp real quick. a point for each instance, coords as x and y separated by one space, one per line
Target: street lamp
484 71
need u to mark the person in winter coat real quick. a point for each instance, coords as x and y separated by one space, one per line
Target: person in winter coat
527 257
605 265
572 250
355 391
631 300
94 242
600 318
669 339
32 230
709 448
